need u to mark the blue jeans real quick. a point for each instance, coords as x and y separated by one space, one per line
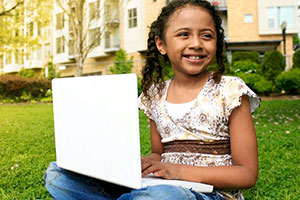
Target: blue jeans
63 184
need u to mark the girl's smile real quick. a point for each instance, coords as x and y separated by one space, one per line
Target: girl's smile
190 40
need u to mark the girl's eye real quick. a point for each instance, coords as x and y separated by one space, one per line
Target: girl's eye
209 36
184 34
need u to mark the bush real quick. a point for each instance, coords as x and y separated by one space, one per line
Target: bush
246 66
289 81
51 71
214 66
27 73
245 55
273 64
257 83
22 89
121 64
296 59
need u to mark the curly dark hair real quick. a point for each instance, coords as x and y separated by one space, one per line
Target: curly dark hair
152 71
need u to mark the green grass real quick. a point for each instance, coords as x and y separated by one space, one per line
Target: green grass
27 147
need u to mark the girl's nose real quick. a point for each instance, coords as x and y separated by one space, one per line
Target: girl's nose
196 43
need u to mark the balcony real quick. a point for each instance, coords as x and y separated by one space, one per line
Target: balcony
112 40
111 15
12 68
220 5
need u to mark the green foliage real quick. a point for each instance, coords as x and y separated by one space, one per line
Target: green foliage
296 59
273 64
245 55
121 64
27 73
19 89
167 70
256 82
214 66
245 66
289 81
296 39
51 71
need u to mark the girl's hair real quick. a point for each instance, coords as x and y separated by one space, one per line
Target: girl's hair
152 71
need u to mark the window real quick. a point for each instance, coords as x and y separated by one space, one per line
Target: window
132 18
18 57
30 29
47 51
39 52
277 15
1 61
94 10
94 37
8 58
39 28
59 21
60 45
248 18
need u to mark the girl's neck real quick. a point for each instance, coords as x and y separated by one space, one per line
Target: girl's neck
190 81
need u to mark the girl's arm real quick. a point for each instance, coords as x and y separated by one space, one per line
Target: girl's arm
156 145
242 174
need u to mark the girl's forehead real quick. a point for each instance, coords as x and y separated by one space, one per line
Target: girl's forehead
192 14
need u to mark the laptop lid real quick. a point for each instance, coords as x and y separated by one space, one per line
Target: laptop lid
96 125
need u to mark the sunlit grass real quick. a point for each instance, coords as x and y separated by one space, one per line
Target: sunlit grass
27 147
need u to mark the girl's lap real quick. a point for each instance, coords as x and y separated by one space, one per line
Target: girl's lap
63 184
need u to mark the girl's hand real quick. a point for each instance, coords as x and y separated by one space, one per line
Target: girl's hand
160 169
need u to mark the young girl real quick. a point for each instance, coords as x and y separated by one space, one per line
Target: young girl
200 122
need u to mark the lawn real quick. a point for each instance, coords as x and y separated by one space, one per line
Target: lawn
27 147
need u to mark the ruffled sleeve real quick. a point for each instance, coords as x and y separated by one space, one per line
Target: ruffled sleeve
145 106
234 89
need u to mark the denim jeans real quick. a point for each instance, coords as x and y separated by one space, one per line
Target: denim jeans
63 184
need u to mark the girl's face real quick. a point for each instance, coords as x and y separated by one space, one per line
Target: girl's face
190 40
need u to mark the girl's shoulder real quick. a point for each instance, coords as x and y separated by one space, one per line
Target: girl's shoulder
233 88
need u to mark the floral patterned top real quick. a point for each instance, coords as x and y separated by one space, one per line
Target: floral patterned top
206 122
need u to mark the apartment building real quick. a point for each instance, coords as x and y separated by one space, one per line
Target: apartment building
257 25
248 24
34 56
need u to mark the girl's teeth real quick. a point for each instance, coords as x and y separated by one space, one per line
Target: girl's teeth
194 57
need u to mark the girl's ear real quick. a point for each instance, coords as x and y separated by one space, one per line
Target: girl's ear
160 45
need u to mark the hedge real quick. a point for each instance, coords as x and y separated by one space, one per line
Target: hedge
14 87
289 81
296 59
273 64
256 82
245 55
246 66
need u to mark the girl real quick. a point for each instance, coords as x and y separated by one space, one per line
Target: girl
200 122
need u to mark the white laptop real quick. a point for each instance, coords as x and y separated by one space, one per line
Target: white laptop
96 123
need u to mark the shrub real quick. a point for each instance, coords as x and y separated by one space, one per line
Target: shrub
289 81
273 64
296 59
245 55
256 82
51 71
22 89
121 64
246 66
214 66
27 73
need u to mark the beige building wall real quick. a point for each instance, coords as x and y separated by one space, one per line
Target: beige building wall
240 31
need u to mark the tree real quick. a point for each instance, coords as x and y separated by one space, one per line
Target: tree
19 15
121 64
83 24
7 10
